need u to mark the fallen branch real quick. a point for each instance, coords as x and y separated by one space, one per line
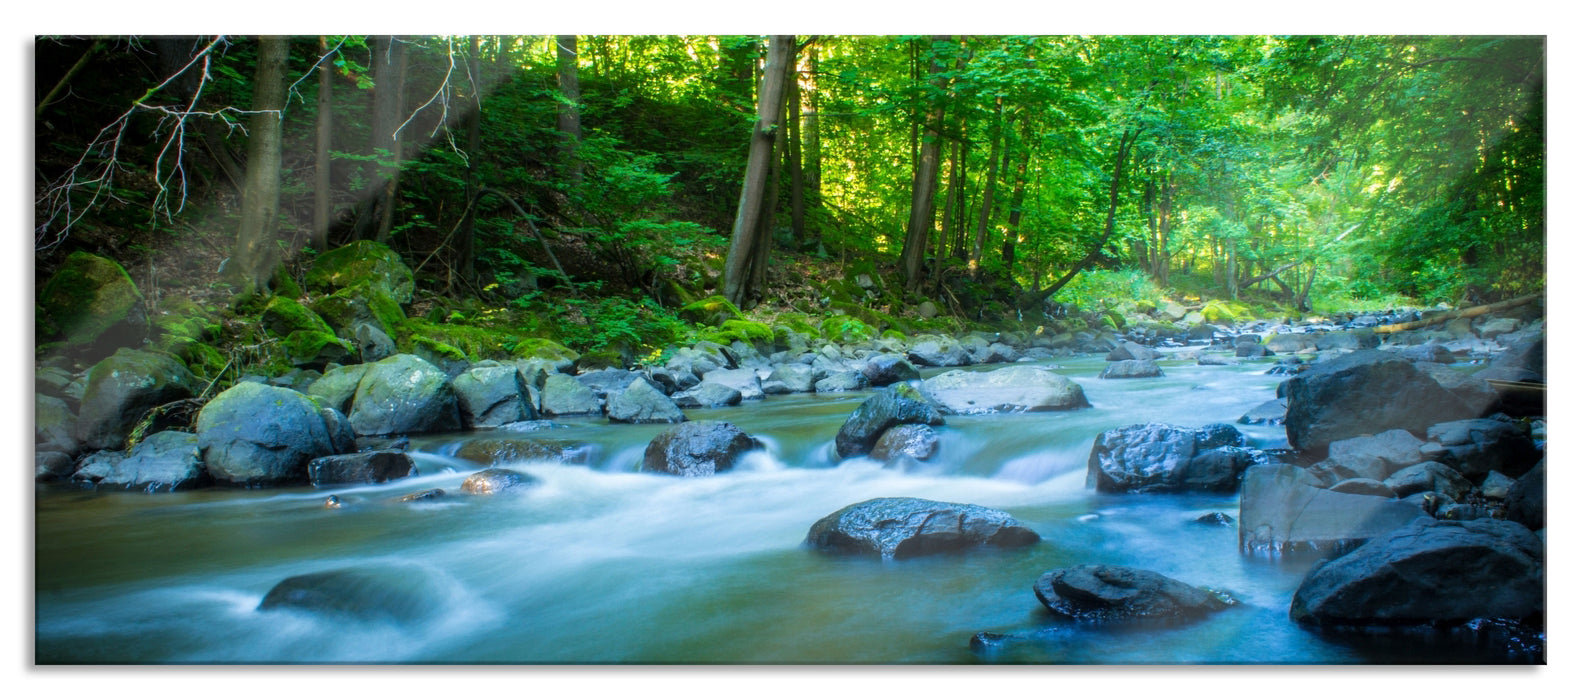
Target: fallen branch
1437 319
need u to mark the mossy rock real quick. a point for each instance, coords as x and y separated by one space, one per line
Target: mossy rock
284 285
1222 312
846 329
348 307
435 348
473 342
750 332
893 335
315 348
362 263
544 349
711 311
283 316
87 297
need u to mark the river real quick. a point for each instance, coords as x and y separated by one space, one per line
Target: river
603 564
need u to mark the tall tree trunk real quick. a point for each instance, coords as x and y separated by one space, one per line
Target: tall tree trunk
323 197
947 221
760 156
256 254
794 156
397 140
1117 177
925 182
463 262
812 147
766 227
1018 194
1166 211
990 185
568 117
385 55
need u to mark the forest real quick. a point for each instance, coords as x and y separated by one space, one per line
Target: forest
790 349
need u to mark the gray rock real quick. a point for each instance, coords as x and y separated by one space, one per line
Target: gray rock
1131 369
1377 456
608 382
1432 352
388 594
1496 486
1006 390
338 386
1291 342
708 395
913 440
1219 361
1270 412
1523 362
1284 511
374 467
1429 477
1477 446
1526 501
1253 350
563 395
849 380
122 388
164 461
697 448
256 435
899 528
52 466
938 351
1111 594
1159 458
95 467
898 404
404 394
489 397
887 369
1364 487
1363 393
1476 393
1129 350
53 425
372 343
742 380
1492 327
642 403
1428 572
797 377
495 480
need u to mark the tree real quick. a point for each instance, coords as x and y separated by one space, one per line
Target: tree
925 178
256 254
568 113
374 216
323 143
746 232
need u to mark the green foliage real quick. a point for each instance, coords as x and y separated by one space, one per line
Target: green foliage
613 323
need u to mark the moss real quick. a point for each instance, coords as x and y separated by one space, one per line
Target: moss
711 311
87 296
606 357
437 348
544 349
473 342
309 347
750 332
362 263
893 335
283 316
1223 311
284 285
846 329
361 303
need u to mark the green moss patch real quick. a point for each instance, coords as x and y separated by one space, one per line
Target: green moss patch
362 263
846 329
711 311
283 316
87 296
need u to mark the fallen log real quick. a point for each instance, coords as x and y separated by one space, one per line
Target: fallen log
1452 315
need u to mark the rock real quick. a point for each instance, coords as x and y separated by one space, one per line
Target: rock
1523 362
372 343
90 302
424 495
938 351
927 310
1217 361
1005 390
1216 518
492 396
1173 311
53 425
671 381
1496 486
1362 393
511 450
888 407
709 395
1429 476
1111 594
697 448
374 467
1364 487
1267 413
495 480
164 461
642 403
404 394
1492 327
609 381
849 380
363 263
1129 350
1253 350
1525 502
887 369
121 390
913 440
1131 369
1291 342
258 435
338 386
563 395
1284 511
1432 352
898 528
1428 572
1476 393
742 380
1377 456
1159 458
95 467
388 594
1475 447
797 377
52 466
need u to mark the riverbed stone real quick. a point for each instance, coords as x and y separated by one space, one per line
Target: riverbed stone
897 404
1526 500
563 395
742 380
53 425
1429 476
1284 510
165 461
1291 342
697 448
1428 571
642 403
708 395
849 380
1377 456
1524 361
1476 393
1364 487
1363 393
899 528
258 435
338 386
492 396
1105 593
122 388
95 466
1160 458
913 440
375 467
1477 446
1014 389
1271 412
386 593
938 351
889 368
49 465
798 378
493 451
1128 350
495 480
404 394
1131 369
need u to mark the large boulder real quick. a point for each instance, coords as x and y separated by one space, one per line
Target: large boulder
709 395
848 380
122 388
1477 446
1106 594
888 368
1525 501
1131 369
257 435
1429 571
912 440
885 409
373 467
1481 398
563 395
90 301
1284 510
404 394
1523 362
898 528
492 396
165 461
642 403
796 377
697 448
1291 342
1429 477
1376 456
1005 390
1363 393
389 594
53 425
938 351
609 381
742 380
1128 350
1159 458
338 386
363 263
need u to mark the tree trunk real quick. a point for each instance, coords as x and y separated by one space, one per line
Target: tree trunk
990 186
794 156
766 227
568 118
1166 194
463 262
393 183
760 157
812 151
1117 177
256 254
323 144
952 192
1018 194
385 57
925 182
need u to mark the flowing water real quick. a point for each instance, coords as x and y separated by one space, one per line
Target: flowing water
603 564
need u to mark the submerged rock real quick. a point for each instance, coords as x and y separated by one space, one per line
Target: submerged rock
1005 390
492 451
913 440
1284 510
1131 369
496 480
398 594
360 468
1159 458
697 448
897 528
1110 594
884 410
